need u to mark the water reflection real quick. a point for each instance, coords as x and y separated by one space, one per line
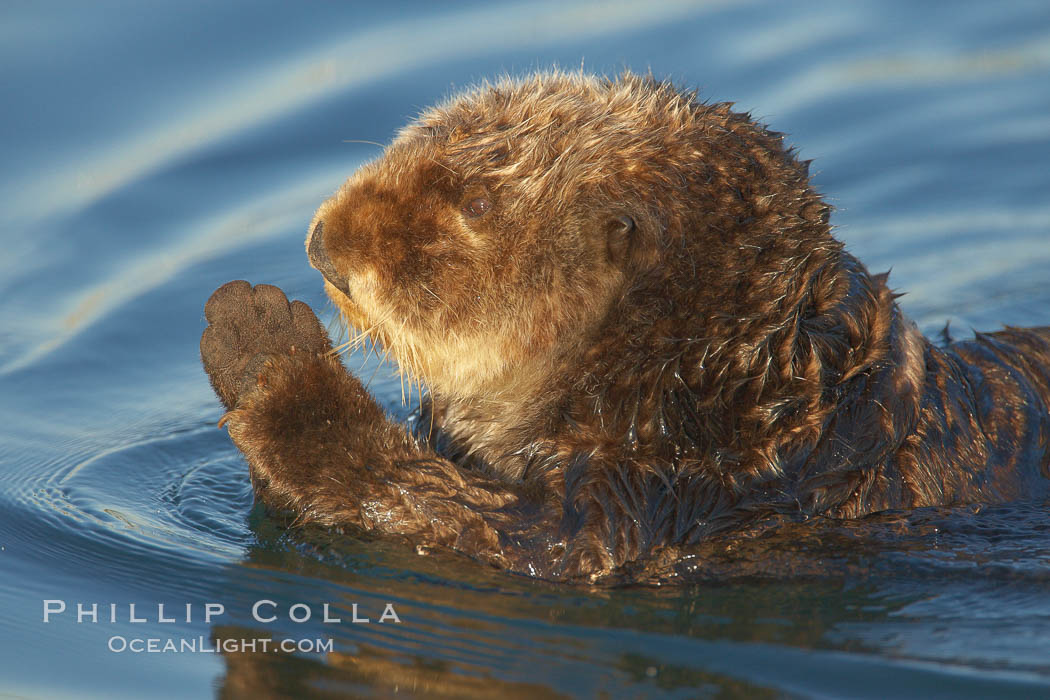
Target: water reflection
787 597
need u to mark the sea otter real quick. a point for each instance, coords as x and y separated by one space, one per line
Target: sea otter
636 331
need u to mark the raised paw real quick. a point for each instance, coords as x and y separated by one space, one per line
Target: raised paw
248 324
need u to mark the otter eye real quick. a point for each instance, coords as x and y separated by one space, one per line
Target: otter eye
476 207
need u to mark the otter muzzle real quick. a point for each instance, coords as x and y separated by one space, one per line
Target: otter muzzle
320 261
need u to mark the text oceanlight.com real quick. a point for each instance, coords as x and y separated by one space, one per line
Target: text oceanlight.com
204 645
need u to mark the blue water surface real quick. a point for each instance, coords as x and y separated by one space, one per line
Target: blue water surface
155 151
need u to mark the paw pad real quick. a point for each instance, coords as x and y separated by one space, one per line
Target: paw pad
248 324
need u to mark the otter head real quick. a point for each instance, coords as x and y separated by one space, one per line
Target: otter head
476 249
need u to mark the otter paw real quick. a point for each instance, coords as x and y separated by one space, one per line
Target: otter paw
248 324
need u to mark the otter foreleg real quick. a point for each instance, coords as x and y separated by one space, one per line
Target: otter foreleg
319 446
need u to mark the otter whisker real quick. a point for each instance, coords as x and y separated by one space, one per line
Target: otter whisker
370 143
442 165
369 338
431 293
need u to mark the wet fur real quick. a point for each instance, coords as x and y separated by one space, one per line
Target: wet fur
650 337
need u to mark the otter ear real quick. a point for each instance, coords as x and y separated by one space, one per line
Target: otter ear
620 237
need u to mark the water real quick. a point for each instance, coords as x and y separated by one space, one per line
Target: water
152 154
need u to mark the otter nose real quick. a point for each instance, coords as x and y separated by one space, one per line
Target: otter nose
320 261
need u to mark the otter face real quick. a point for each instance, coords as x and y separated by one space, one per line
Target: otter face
442 269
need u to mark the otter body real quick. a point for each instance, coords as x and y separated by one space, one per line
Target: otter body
637 332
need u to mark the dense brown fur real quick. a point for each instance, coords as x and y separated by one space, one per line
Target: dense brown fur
636 330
